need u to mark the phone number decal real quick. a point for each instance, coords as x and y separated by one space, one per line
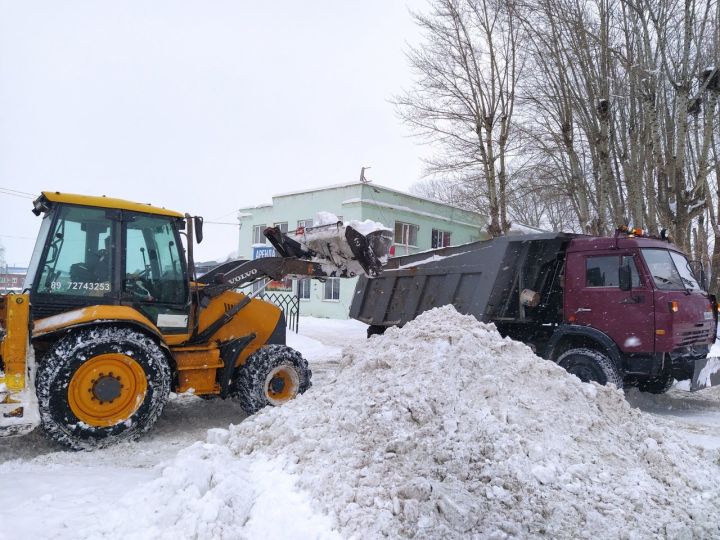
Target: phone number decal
80 286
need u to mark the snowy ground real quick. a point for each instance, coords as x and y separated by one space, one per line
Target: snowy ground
50 493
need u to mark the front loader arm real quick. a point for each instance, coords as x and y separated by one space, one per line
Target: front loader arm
331 250
236 274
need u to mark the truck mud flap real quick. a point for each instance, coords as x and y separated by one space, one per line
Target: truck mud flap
707 373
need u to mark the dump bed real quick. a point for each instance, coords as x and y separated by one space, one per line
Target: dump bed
483 279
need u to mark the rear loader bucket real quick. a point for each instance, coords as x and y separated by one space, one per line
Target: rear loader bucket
19 412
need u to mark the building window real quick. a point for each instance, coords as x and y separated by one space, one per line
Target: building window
440 238
304 223
332 289
303 289
405 234
258 236
283 226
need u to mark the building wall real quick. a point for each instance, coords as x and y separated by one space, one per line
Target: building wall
359 202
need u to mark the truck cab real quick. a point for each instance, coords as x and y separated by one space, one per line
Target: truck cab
659 317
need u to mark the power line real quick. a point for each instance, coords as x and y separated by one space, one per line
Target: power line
225 215
16 237
18 192
3 192
222 223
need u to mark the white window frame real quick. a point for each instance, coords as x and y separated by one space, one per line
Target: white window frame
282 225
304 223
334 285
405 234
441 237
301 289
258 236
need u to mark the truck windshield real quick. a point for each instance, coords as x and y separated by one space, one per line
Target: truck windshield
670 270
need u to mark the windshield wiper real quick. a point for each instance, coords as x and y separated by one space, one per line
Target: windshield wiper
671 282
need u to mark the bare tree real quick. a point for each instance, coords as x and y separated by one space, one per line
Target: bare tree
613 120
464 97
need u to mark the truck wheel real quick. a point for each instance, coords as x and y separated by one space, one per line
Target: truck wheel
375 330
591 365
271 375
98 386
659 385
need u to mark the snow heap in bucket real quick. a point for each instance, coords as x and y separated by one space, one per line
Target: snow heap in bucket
327 238
443 429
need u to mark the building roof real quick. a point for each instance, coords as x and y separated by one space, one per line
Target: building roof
371 185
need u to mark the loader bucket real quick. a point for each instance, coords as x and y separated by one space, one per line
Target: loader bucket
342 250
707 373
18 403
370 250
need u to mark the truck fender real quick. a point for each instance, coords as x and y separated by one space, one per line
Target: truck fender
592 334
94 315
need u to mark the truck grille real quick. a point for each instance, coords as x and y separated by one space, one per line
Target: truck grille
694 336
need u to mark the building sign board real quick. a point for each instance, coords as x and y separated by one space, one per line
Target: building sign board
260 252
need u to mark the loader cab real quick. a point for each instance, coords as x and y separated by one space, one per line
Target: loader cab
116 254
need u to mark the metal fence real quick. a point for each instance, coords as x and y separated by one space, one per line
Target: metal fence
289 303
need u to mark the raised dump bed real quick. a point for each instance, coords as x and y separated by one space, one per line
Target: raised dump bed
484 279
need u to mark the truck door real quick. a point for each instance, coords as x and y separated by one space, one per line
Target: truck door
593 298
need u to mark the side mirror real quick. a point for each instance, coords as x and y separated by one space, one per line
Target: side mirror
625 277
703 280
198 221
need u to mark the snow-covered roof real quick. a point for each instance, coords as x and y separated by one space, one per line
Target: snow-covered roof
365 201
409 210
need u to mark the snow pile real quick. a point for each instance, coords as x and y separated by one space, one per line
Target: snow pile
325 218
363 227
444 429
206 492
441 429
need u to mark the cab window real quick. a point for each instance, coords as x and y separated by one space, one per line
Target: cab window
602 271
153 262
78 258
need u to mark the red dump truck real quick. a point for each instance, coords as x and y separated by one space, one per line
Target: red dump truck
627 310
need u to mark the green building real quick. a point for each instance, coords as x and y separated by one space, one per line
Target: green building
420 224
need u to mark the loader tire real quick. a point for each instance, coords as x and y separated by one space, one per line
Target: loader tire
658 385
101 385
271 375
591 365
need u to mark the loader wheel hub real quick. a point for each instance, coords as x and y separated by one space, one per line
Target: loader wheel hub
107 389
282 384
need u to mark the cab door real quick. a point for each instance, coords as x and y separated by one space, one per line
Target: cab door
153 273
593 298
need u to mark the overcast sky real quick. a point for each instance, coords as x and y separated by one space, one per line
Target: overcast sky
199 106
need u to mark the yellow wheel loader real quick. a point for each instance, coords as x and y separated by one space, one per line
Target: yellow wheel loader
112 319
